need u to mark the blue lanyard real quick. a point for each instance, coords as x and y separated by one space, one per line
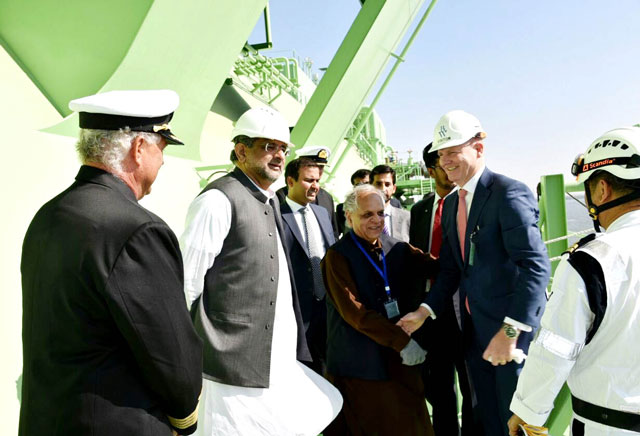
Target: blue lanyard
383 272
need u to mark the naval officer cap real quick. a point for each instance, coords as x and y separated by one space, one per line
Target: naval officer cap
141 111
318 153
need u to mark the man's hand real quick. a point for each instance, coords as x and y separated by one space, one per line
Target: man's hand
514 425
412 321
500 350
412 354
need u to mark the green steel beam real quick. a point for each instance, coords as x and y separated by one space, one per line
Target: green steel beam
554 225
363 121
162 46
553 205
353 72
267 31
69 49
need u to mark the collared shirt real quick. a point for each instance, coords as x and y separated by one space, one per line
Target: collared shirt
296 208
388 219
436 198
471 185
208 224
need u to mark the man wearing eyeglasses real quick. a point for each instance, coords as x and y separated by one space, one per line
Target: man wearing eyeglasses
243 299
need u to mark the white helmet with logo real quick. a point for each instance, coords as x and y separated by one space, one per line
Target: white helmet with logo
615 152
262 122
456 128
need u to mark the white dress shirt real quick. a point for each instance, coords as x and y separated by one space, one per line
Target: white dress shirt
298 401
315 230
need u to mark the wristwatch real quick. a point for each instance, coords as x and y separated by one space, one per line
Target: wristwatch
510 331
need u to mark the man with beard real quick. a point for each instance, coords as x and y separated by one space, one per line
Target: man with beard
307 236
243 299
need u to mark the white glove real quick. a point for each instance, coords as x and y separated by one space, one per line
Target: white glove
412 354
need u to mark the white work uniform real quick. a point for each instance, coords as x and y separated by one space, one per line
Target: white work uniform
605 371
298 401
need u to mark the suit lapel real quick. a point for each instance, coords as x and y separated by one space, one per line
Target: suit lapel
289 218
325 226
480 196
452 230
394 218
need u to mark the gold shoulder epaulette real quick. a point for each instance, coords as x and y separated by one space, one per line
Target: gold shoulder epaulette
590 237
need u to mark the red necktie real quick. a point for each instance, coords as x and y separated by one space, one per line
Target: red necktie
462 219
436 233
462 229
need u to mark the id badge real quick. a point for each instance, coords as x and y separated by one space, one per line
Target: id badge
391 307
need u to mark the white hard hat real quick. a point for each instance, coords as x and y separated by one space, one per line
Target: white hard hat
615 152
455 128
262 122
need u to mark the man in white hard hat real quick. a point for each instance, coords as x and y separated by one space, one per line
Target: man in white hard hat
590 330
240 287
443 342
320 155
109 347
492 251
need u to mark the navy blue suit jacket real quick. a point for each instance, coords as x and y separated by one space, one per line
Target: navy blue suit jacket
294 242
510 268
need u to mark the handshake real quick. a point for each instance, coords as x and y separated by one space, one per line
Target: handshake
412 354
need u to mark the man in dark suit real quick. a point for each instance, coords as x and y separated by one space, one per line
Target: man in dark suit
109 348
492 251
320 155
443 340
307 236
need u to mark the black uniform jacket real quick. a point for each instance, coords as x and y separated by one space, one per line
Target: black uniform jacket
108 345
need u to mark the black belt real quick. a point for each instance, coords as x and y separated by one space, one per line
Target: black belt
602 415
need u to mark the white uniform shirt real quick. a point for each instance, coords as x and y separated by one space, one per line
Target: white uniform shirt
298 401
605 372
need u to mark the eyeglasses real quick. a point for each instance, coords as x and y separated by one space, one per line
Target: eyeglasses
273 148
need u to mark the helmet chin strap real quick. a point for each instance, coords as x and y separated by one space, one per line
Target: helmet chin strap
595 211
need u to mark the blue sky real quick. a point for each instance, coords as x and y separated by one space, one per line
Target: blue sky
544 78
